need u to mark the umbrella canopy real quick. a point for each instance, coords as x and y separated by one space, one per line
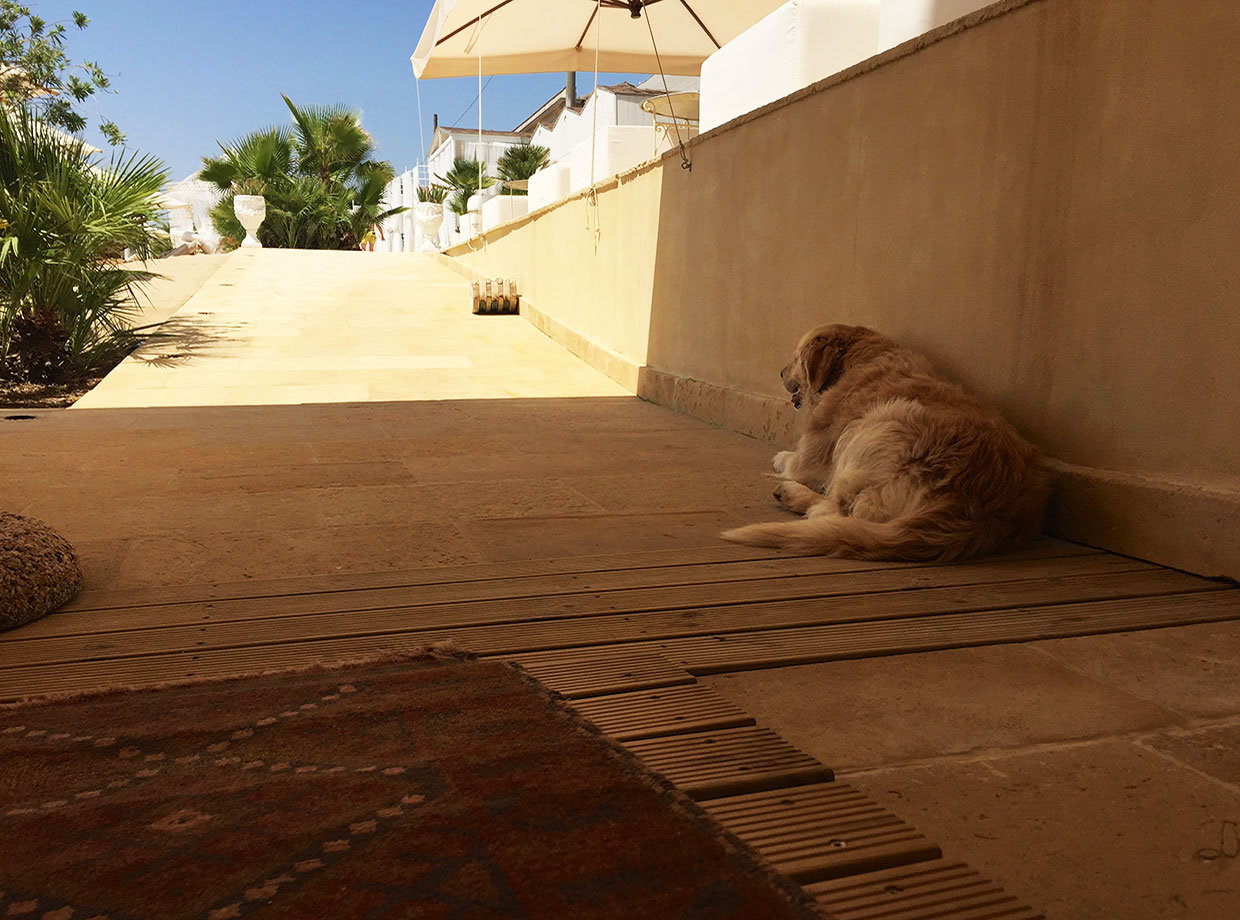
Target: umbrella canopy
540 36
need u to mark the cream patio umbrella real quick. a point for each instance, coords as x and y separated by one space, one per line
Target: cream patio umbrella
463 38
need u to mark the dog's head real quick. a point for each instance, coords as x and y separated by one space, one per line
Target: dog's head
823 355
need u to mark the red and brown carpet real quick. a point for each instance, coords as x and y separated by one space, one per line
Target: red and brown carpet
416 788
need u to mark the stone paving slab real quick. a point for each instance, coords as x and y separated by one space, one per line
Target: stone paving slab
1087 832
289 327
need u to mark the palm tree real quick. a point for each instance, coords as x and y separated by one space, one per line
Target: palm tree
66 302
332 144
323 189
519 163
465 178
262 156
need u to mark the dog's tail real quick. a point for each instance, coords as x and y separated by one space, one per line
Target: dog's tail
937 533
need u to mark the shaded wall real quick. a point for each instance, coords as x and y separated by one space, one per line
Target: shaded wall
1043 197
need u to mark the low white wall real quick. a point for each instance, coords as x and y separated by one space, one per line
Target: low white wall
800 43
614 150
805 41
503 208
549 184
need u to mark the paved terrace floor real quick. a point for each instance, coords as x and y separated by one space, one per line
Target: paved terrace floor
331 456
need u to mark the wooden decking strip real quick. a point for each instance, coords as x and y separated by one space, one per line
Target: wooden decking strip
721 653
620 616
938 890
665 711
577 673
519 600
701 640
730 761
305 585
823 831
786 805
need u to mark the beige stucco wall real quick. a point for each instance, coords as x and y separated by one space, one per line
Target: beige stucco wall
1045 200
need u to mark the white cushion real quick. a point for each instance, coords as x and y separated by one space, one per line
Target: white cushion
901 20
616 148
503 208
549 184
800 43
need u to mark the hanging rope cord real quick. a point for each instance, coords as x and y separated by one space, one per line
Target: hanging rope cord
480 158
684 157
592 195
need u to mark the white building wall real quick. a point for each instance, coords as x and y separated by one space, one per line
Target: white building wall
489 151
440 160
629 111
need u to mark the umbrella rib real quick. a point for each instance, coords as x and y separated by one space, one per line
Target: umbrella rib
698 20
586 30
474 21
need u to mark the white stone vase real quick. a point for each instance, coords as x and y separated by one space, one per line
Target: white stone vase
250 210
429 216
471 221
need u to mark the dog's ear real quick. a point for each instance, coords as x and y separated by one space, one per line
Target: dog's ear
824 360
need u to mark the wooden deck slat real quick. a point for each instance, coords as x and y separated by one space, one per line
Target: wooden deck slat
490 589
516 572
667 711
821 831
698 654
579 673
437 575
719 653
549 598
938 890
534 633
731 761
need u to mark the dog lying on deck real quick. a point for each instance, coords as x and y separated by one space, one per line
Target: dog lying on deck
893 462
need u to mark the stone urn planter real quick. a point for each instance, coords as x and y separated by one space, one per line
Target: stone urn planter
471 221
429 217
250 210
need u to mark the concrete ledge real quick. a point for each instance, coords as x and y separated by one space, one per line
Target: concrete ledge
458 267
1188 527
625 371
763 417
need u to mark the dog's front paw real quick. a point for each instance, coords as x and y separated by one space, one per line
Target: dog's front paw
793 496
781 461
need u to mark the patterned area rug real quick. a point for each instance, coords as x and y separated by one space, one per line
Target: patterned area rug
424 788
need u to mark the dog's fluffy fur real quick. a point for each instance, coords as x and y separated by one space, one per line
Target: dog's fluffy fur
893 462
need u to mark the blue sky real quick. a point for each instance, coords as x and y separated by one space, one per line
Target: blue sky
182 82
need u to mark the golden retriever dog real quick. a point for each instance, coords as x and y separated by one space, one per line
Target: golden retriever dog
894 462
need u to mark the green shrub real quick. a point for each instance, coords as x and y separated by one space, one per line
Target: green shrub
323 191
436 194
519 163
464 179
66 301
